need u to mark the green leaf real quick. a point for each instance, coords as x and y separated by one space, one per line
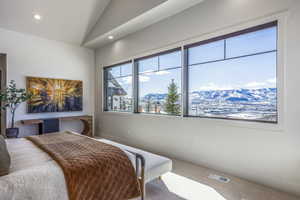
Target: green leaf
12 96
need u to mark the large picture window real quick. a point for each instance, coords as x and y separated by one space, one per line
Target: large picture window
118 87
159 83
235 77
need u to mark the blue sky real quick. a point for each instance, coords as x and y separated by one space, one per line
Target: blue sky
251 72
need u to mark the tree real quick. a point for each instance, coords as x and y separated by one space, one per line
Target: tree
172 106
11 98
148 104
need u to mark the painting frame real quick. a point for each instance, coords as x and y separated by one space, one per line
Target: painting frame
51 95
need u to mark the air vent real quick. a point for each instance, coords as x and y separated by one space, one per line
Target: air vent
221 179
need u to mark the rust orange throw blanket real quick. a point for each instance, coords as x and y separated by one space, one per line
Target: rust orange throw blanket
93 170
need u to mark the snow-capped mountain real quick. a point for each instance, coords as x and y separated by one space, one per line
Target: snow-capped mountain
250 104
240 95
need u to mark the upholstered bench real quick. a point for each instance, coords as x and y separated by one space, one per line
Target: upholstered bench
155 165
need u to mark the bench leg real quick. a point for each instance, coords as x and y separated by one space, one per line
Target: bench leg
140 163
143 185
143 196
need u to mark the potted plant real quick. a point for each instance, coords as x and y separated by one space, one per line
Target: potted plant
11 97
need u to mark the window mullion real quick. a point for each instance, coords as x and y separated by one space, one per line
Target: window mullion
105 85
184 84
135 87
158 63
225 56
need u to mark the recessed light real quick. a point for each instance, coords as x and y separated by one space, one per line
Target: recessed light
37 17
111 37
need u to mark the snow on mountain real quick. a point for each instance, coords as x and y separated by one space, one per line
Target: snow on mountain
239 95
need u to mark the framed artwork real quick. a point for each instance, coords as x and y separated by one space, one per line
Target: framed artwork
54 95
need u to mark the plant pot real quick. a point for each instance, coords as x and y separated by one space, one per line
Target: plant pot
12 132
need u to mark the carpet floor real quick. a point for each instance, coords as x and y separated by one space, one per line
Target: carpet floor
191 182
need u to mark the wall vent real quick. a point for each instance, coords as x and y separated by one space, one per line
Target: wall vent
219 178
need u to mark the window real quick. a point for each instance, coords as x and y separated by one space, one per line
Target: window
118 87
234 76
159 83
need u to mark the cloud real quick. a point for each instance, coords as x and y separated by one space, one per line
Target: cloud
127 80
144 78
271 80
213 86
163 72
249 85
255 85
149 72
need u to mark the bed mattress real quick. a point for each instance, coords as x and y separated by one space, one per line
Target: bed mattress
33 174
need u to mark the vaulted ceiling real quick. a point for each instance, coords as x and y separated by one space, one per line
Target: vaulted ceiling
86 22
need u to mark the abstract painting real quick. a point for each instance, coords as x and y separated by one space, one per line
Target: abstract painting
54 95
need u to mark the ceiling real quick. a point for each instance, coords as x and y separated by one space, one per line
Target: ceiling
63 20
86 22
135 19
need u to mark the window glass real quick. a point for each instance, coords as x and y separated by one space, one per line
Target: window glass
252 43
242 88
114 72
126 69
148 64
119 88
160 91
170 60
233 78
205 53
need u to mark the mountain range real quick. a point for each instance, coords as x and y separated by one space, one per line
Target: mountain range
230 96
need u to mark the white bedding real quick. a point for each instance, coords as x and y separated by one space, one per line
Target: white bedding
33 175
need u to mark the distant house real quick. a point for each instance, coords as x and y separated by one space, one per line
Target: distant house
115 92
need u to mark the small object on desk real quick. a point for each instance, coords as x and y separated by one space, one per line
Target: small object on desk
12 132
49 126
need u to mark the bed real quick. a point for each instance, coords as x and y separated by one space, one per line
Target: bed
35 175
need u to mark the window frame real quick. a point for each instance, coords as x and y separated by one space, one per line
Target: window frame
136 66
224 37
104 88
279 19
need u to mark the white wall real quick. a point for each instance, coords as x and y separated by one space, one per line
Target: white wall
266 154
33 56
